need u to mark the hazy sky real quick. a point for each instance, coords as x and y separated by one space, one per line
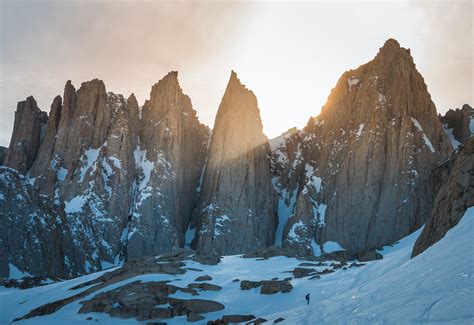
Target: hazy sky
290 54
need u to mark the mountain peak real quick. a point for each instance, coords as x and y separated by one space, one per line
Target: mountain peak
234 79
391 45
392 50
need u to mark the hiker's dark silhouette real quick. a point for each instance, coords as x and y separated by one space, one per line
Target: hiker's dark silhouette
307 299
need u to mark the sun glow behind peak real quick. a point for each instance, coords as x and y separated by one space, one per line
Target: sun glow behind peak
290 55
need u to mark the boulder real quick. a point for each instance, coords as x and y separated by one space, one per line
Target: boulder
203 278
370 255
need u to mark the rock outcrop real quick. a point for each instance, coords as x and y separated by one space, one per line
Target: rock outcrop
459 125
366 159
236 211
455 196
30 123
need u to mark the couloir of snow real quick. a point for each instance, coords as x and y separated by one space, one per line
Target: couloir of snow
436 286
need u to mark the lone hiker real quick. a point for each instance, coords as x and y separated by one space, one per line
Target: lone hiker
307 299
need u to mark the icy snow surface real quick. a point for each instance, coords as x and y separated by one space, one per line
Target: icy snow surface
425 138
332 246
434 287
449 132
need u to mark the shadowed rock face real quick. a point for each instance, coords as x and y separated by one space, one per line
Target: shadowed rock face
454 197
236 211
26 137
34 235
174 144
366 159
125 184
459 124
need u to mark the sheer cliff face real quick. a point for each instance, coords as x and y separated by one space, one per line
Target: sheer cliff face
367 157
125 185
170 160
459 125
236 212
456 194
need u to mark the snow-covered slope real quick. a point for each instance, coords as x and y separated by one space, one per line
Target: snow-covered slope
436 286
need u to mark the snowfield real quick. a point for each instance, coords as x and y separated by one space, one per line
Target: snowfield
434 287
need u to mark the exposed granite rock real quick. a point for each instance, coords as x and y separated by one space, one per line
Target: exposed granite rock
299 231
459 124
367 158
30 122
236 211
231 319
454 197
86 162
301 272
142 301
129 270
367 256
126 184
34 234
174 142
204 286
268 287
267 252
203 278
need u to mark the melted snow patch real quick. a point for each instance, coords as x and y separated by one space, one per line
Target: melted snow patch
425 138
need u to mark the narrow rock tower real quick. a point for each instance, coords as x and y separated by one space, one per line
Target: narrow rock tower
236 213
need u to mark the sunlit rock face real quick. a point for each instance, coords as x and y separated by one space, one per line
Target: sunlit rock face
236 211
367 158
124 183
